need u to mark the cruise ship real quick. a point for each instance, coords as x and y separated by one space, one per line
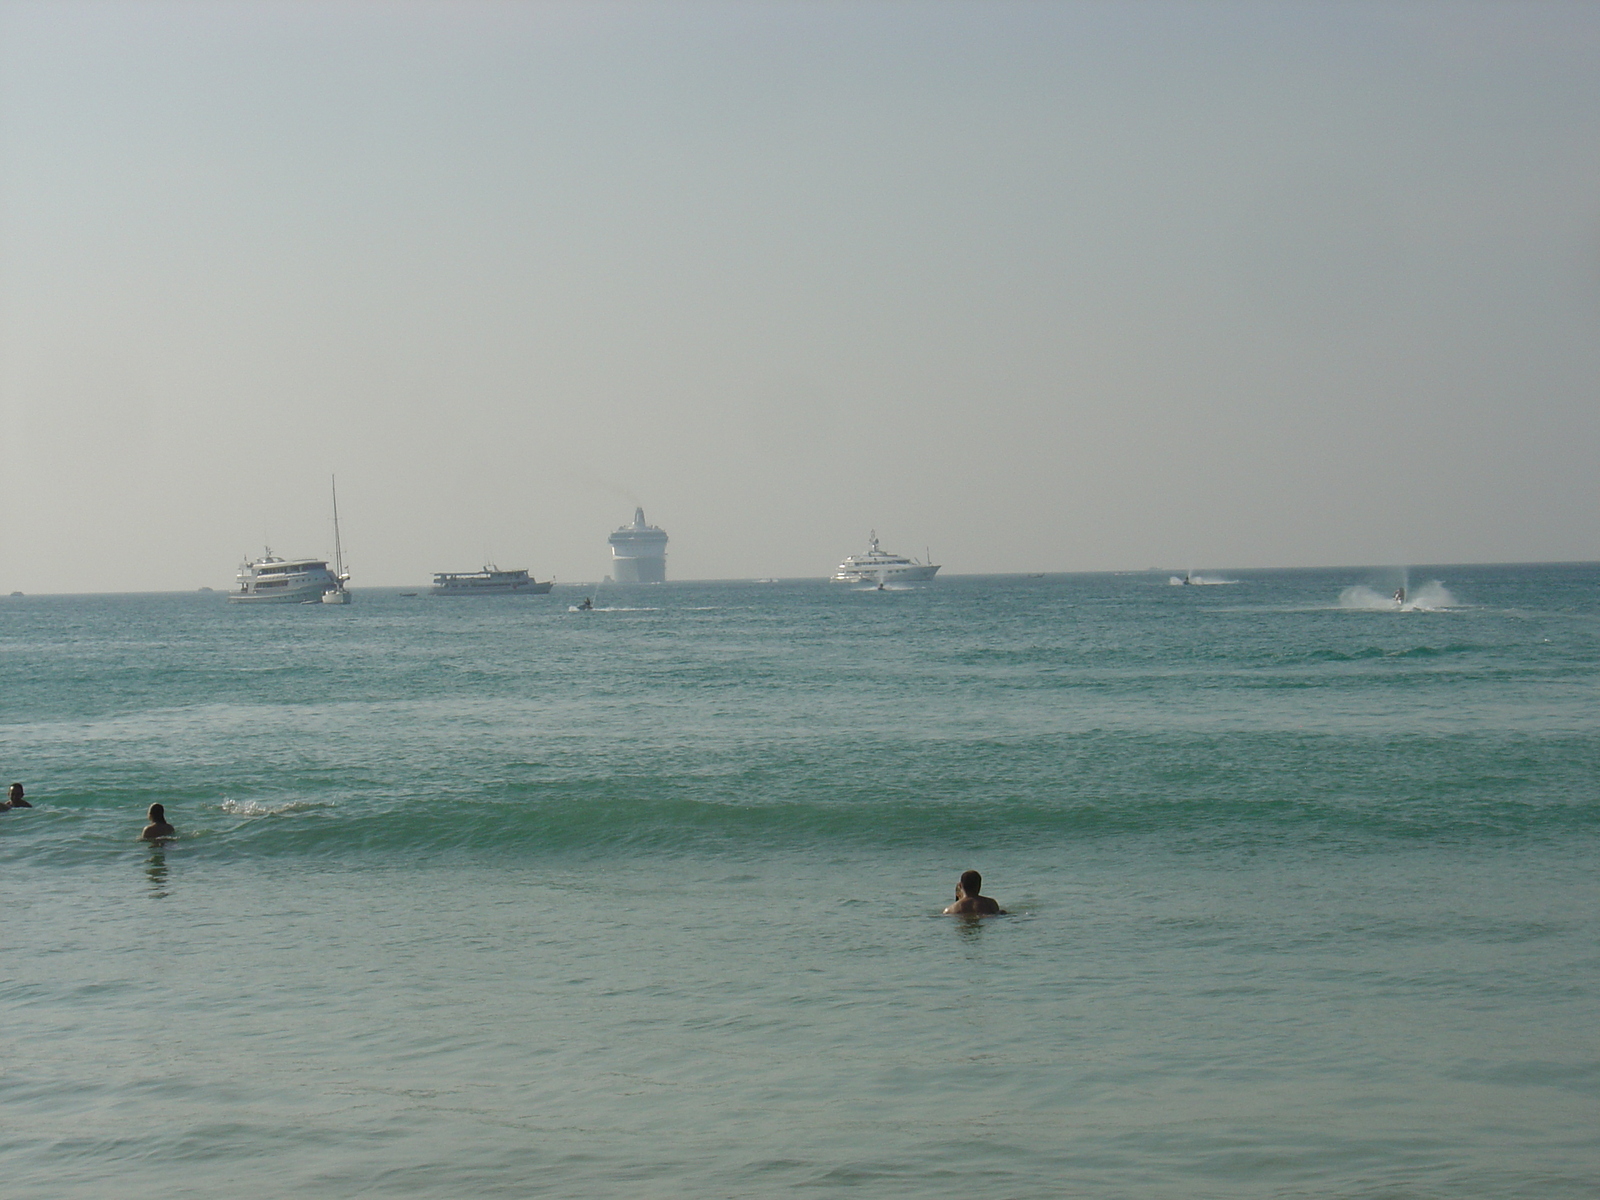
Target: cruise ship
273 580
639 552
879 566
491 581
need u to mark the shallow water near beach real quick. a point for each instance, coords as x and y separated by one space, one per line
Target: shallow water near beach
492 898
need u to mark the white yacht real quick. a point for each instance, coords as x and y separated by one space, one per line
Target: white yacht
273 580
879 566
491 581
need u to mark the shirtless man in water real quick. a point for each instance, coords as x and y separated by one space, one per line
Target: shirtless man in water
158 827
14 798
969 901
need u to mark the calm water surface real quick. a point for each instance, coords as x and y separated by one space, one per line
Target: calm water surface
490 898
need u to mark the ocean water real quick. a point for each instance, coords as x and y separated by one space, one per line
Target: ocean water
490 898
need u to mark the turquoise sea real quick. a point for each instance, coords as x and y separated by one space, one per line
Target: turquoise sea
489 898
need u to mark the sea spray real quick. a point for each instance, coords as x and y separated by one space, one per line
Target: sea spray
1432 596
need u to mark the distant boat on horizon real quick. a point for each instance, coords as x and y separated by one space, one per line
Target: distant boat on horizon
639 551
273 580
491 581
880 566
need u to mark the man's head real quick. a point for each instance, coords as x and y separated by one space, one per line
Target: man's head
970 883
158 814
16 791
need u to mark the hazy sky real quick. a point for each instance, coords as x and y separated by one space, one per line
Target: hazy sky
1041 286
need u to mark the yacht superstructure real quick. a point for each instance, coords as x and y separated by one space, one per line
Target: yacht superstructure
639 552
880 566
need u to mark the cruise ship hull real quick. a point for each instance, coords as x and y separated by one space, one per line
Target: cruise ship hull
639 570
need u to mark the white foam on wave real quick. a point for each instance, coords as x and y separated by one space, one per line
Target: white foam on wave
1432 596
255 808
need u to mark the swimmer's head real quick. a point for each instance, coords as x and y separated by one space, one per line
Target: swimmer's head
16 791
157 813
970 883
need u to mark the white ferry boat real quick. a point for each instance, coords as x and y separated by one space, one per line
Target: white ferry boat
491 581
273 580
879 566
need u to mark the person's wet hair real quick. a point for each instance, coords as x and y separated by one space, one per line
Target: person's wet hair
158 813
971 882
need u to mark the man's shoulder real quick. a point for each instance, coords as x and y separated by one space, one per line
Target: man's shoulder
981 905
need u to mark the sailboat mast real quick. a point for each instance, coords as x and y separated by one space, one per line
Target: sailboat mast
338 546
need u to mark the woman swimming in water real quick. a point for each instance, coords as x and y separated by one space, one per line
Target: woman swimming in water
158 828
